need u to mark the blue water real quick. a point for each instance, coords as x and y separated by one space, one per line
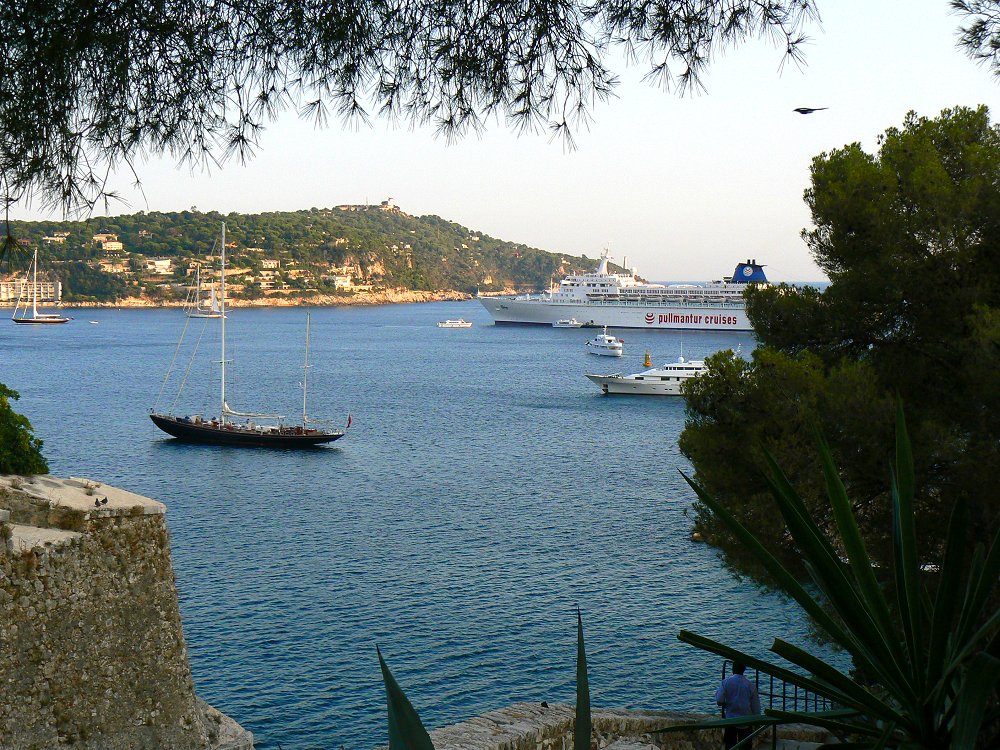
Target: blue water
485 490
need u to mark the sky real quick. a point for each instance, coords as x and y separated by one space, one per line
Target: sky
683 187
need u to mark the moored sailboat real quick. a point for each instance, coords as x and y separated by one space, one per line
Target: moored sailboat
196 307
232 427
36 318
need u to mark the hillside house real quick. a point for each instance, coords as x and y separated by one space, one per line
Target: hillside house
159 266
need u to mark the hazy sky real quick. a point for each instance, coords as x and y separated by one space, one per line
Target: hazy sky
684 187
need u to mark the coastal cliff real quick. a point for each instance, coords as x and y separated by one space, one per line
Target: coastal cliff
92 652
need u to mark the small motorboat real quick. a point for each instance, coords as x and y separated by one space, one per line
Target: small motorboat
605 345
567 323
460 323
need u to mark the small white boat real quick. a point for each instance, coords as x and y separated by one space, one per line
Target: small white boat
605 345
567 323
657 381
455 323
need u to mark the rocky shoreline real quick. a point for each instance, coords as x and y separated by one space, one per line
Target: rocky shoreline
382 297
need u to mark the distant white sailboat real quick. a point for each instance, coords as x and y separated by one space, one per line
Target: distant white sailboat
197 308
36 317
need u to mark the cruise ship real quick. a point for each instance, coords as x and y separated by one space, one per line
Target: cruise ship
621 300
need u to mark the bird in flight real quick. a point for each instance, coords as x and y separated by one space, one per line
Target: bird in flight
807 110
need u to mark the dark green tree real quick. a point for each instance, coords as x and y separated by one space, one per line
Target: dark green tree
20 450
910 238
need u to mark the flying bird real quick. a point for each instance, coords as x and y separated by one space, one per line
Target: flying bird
808 110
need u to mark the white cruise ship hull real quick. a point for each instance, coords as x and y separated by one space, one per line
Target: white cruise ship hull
726 316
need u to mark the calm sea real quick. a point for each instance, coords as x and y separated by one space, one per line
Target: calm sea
485 490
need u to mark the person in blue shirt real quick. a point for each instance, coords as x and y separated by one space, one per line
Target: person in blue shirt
738 697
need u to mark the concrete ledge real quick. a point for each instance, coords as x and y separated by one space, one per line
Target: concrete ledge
29 537
79 494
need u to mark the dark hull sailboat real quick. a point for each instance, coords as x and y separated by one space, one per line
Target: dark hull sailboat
196 431
226 431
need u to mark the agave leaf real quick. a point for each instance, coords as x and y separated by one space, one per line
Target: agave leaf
406 731
835 721
971 644
827 570
785 580
980 679
736 721
949 588
858 558
904 538
851 693
581 733
872 651
981 586
793 678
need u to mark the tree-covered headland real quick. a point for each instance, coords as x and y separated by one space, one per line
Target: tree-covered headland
305 253
910 239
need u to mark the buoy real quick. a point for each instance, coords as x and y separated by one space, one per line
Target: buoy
648 362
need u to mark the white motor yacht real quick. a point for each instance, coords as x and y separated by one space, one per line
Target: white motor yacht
657 381
605 345
455 323
567 323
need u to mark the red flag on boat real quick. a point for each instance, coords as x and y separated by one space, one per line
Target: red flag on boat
348 421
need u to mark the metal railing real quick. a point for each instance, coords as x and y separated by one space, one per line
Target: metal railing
777 694
780 694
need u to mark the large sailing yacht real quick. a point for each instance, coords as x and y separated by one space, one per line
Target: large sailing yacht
232 427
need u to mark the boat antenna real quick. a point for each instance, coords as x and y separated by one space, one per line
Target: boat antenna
222 292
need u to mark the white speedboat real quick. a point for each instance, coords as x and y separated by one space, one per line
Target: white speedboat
567 323
657 381
606 345
455 323
624 300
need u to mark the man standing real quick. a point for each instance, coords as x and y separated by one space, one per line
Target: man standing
738 697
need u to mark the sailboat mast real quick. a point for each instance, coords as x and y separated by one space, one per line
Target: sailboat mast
34 287
222 290
305 373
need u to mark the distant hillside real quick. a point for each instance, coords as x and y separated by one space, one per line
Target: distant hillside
317 251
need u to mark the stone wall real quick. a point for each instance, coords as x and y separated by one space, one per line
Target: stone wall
534 726
92 652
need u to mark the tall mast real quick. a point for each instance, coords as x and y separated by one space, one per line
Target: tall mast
222 291
34 287
305 373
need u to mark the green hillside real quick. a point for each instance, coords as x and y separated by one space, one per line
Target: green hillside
377 246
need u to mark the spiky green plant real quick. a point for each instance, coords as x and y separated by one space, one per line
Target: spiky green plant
407 732
933 662
582 730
